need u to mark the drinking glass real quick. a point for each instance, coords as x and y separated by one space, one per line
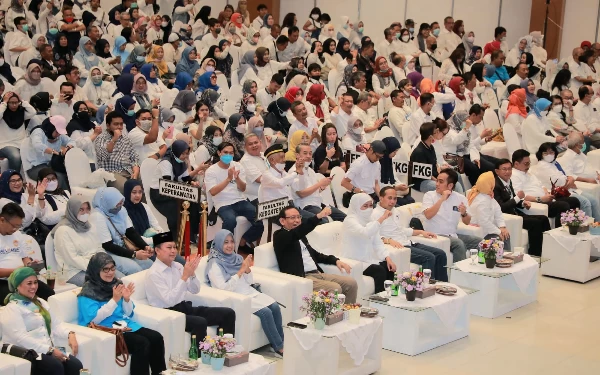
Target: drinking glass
474 256
342 299
388 287
426 276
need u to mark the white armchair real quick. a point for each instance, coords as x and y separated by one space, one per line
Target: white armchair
101 351
514 224
10 365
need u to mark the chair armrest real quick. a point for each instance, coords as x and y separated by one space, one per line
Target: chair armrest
101 342
400 257
301 286
514 224
536 209
469 230
208 297
356 272
280 290
442 243
152 317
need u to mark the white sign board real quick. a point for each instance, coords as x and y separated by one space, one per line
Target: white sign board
420 170
179 190
400 167
270 209
354 155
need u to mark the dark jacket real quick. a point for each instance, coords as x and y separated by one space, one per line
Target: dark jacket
289 253
424 155
505 200
364 65
47 70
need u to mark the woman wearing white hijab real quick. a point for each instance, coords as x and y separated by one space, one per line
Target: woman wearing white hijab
345 28
32 52
327 32
513 57
95 89
361 241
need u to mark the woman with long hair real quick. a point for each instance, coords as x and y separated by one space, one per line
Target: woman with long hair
453 66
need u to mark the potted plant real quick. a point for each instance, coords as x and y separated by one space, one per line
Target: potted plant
411 282
204 350
492 249
573 219
219 346
318 305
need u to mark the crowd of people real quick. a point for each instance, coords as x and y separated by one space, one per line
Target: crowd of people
252 111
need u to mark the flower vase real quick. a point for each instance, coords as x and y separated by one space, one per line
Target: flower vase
490 262
411 295
573 230
205 358
319 323
217 363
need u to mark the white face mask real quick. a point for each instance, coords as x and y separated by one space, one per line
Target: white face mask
251 107
241 129
405 38
164 24
314 16
357 130
83 218
549 158
366 214
145 125
210 68
52 185
557 108
471 39
280 167
217 140
1 62
166 124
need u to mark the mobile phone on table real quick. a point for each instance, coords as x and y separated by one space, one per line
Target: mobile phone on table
296 325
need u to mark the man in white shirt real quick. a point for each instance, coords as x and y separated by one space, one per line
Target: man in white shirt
443 209
521 73
146 7
167 283
18 41
367 115
577 77
448 39
587 115
212 38
534 191
399 115
342 113
171 49
145 137
386 46
101 16
273 35
270 93
419 117
365 172
303 122
226 182
431 60
307 187
63 105
395 235
296 46
125 21
262 12
277 47
254 165
574 161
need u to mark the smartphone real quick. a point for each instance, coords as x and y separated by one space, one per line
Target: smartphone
296 325
330 146
62 350
411 185
455 208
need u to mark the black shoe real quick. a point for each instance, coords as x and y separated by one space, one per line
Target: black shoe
246 249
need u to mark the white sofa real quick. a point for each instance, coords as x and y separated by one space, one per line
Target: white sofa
10 365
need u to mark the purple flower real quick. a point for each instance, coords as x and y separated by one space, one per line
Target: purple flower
409 288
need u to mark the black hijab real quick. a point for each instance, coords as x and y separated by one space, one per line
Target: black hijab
166 30
137 212
203 14
173 153
100 46
387 167
79 121
14 119
43 173
275 119
477 70
41 101
87 18
94 287
326 45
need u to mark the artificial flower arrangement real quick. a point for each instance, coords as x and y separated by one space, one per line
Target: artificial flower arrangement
573 218
492 248
318 305
217 347
412 281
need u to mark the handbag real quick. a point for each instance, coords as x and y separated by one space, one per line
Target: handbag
19 352
346 198
559 191
121 351
58 163
38 230
456 162
129 245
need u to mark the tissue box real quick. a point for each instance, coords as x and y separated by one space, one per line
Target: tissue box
428 291
583 228
595 231
235 359
336 317
511 256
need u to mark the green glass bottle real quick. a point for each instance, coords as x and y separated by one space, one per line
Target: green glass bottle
221 332
193 353
395 286
481 257
421 268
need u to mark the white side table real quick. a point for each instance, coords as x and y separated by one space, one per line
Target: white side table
570 255
415 327
256 365
328 356
500 289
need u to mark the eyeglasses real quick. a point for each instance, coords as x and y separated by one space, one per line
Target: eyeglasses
505 169
296 217
109 269
15 181
13 225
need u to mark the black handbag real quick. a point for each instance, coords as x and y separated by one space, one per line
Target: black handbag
19 352
58 163
346 198
38 230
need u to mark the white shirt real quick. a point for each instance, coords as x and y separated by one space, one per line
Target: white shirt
527 182
363 242
364 175
312 124
230 194
534 133
49 216
586 114
399 119
390 227
274 185
576 71
307 260
515 80
575 164
301 182
368 118
257 23
340 120
417 119
13 249
264 97
164 169
254 166
15 40
447 218
486 213
548 173
164 286
137 135
73 250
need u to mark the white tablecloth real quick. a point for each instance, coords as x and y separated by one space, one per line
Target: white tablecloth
522 272
570 242
355 338
256 365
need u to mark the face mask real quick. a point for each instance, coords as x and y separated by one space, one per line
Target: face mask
97 80
210 68
178 160
405 38
411 30
145 125
471 39
280 166
25 28
83 115
226 159
583 147
433 46
436 32
557 108
549 158
241 129
164 24
357 130
69 19
140 58
52 185
569 102
218 30
258 131
83 218
345 26
314 16
251 107
398 35
503 38
217 140
361 29
366 214
114 211
283 113
53 31
134 5
131 112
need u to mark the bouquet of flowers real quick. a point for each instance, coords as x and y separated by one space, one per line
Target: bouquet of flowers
573 218
320 304
218 346
412 281
492 248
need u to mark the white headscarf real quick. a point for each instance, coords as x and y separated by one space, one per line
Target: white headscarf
529 40
354 211
345 32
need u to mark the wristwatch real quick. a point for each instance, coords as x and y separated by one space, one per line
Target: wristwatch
538 199
133 256
464 215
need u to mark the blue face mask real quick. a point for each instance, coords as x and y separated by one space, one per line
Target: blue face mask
114 211
131 112
258 131
583 147
178 160
53 31
140 58
436 32
226 159
25 28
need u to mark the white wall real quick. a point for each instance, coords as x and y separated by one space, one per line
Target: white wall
579 24
482 23
515 18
